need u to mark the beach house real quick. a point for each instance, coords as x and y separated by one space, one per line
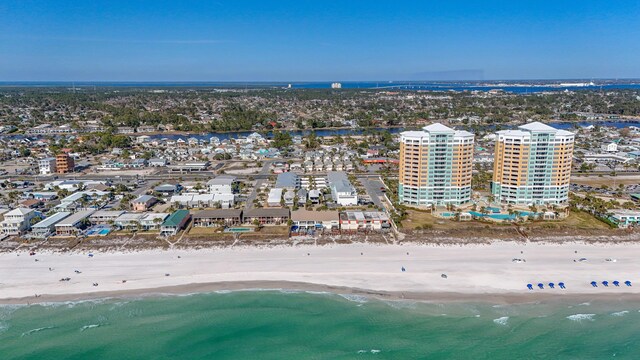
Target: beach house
175 222
143 203
17 221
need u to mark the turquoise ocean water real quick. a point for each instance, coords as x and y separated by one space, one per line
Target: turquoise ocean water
282 325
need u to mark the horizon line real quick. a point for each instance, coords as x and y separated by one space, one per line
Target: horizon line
312 81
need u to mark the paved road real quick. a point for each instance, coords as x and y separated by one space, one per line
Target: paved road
254 194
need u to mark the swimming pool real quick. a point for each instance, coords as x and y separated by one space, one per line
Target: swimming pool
502 216
237 230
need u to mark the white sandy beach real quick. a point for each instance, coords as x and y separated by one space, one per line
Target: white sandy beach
472 270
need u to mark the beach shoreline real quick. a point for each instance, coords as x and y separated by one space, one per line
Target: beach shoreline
474 273
321 289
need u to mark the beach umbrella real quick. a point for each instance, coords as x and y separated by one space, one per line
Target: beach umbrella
529 286
552 285
616 283
628 283
605 283
561 284
541 286
594 284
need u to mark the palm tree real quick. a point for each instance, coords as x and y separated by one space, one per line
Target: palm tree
157 221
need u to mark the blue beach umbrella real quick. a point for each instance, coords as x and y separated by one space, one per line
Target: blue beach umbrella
561 284
541 286
594 284
616 283
552 285
605 283
529 286
628 283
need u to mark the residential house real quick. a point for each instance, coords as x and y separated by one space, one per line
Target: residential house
73 224
222 184
342 191
152 221
275 197
129 221
17 221
143 203
104 217
168 189
47 227
287 181
175 222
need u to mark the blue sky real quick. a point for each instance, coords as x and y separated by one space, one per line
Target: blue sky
183 40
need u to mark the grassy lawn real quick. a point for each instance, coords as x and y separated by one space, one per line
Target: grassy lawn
203 230
575 220
274 230
596 180
417 219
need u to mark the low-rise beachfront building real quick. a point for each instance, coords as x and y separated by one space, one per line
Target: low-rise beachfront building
273 216
47 226
363 221
190 167
143 203
104 217
168 189
175 222
287 181
342 191
44 196
305 221
222 184
275 197
47 166
129 221
217 218
73 224
625 218
195 200
157 162
152 221
84 200
17 221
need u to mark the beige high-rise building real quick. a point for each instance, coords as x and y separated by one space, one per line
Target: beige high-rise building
532 165
435 166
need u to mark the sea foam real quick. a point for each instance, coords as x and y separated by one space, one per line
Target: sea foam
620 313
581 317
92 326
501 321
355 298
32 331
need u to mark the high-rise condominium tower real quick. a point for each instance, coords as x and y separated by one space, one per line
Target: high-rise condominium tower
435 166
532 165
